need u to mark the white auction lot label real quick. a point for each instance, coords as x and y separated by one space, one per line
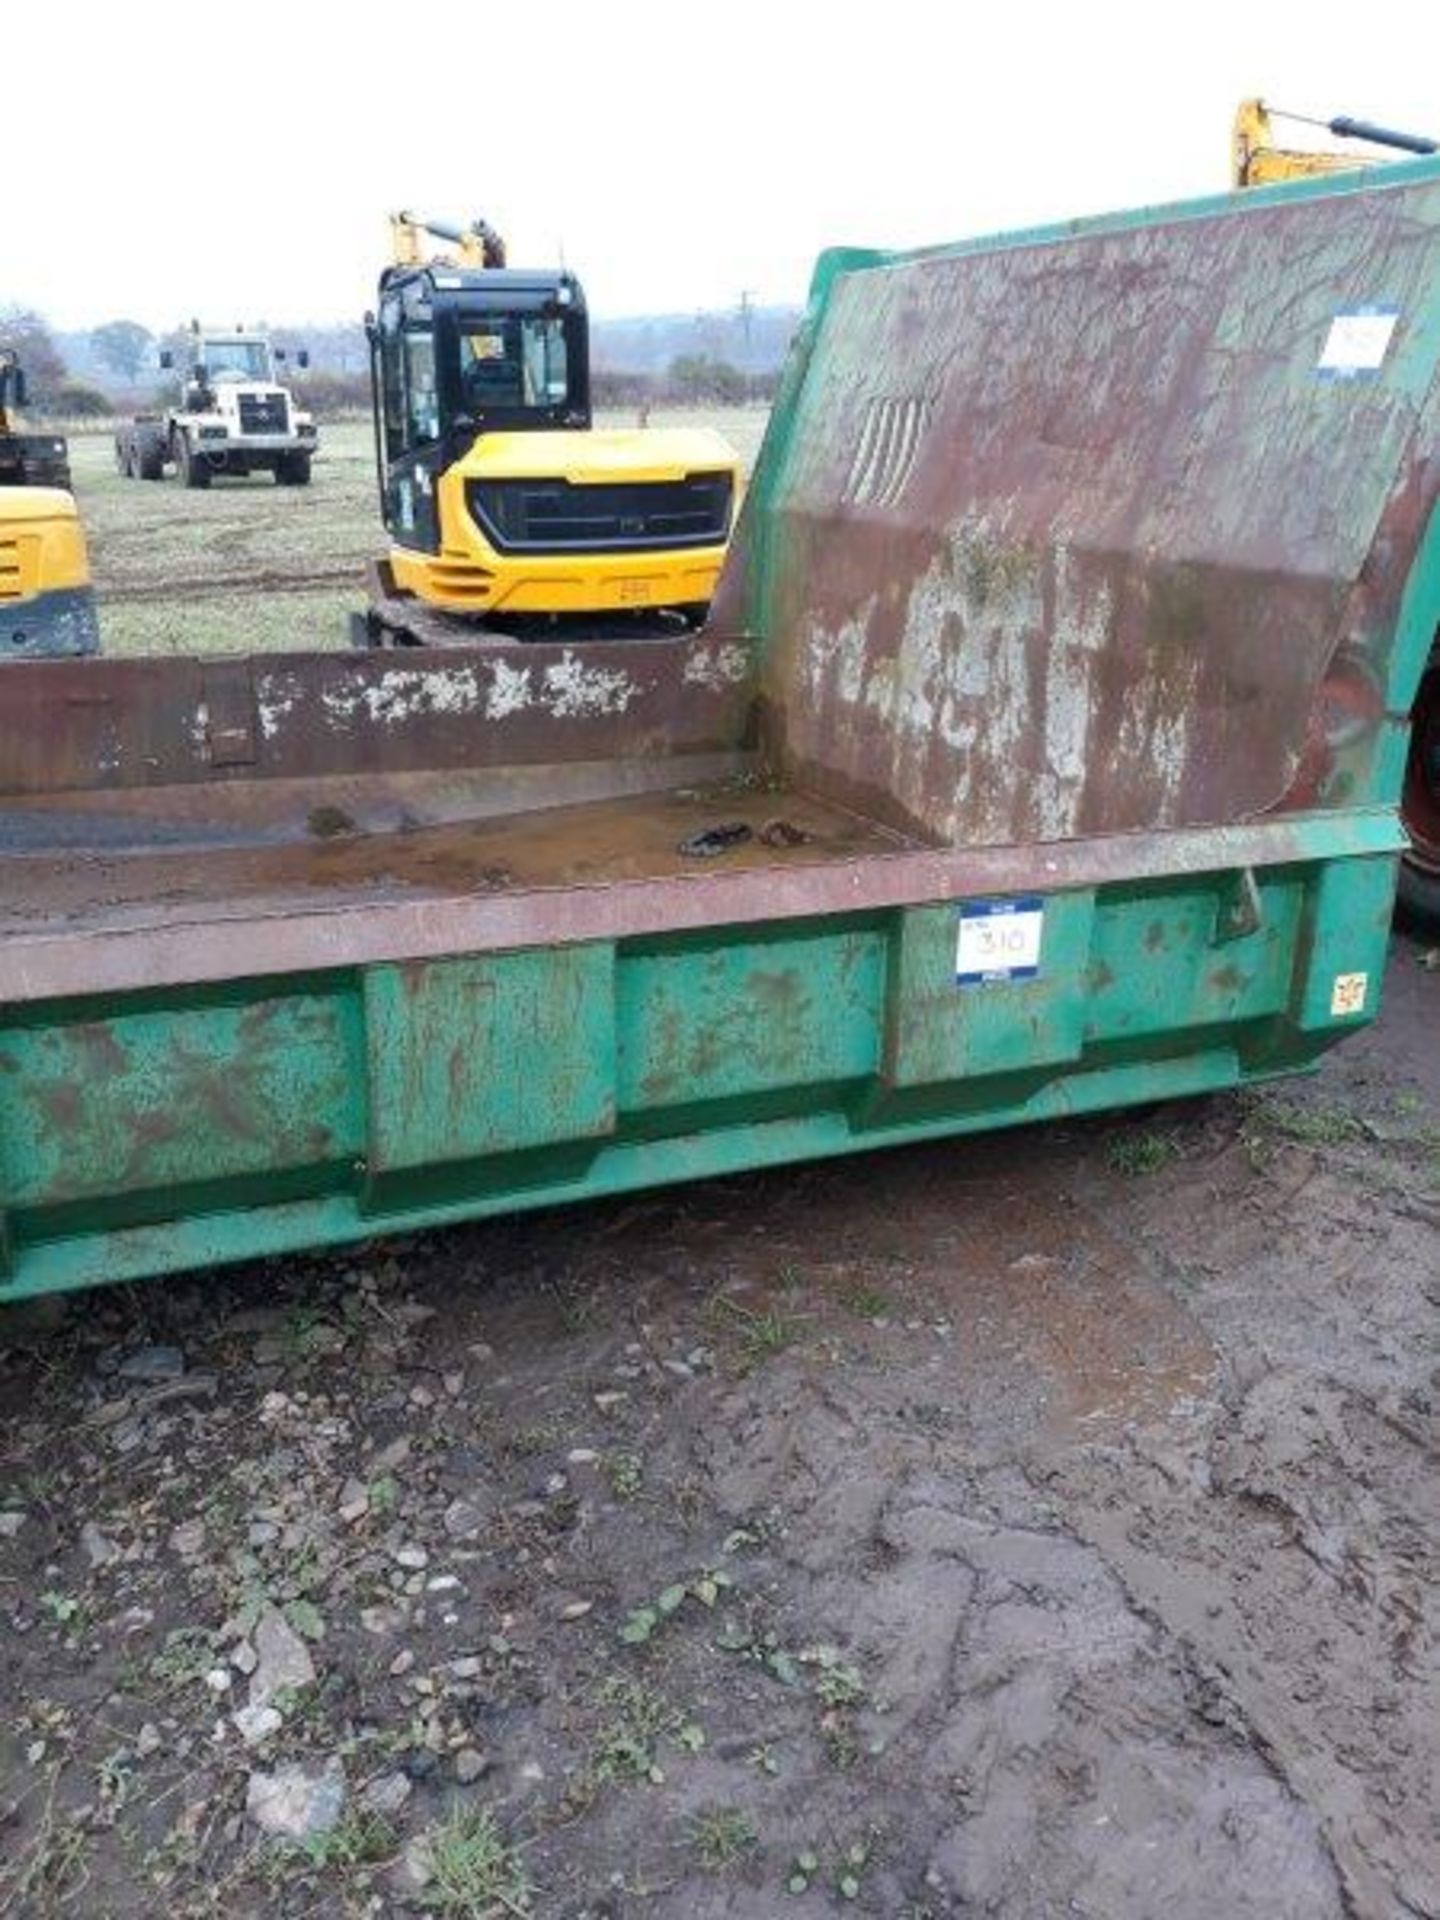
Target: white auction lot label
1357 342
998 940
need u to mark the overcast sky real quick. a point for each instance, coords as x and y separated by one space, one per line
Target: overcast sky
237 162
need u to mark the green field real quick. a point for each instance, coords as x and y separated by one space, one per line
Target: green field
249 566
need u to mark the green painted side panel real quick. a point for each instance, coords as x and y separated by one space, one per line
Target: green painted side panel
937 1031
140 1102
748 1017
1344 936
475 1057
1162 959
207 1240
190 1128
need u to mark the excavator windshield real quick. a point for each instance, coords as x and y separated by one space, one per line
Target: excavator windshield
511 360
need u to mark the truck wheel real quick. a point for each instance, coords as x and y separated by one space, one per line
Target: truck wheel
150 459
1420 807
124 463
190 470
292 470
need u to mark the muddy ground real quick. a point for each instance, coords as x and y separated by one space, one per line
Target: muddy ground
1045 1524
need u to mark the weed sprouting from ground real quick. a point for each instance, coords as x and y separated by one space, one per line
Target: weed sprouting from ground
758 1333
626 1474
1312 1124
866 1302
359 1841
720 1837
476 1874
1141 1151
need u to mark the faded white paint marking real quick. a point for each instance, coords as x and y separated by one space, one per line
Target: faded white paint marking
509 692
403 692
572 690
716 667
276 696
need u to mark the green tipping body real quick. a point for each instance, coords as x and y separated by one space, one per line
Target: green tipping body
1090 571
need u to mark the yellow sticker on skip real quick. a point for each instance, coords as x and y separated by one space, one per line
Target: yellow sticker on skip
1348 994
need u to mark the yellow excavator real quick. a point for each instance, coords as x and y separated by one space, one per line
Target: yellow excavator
508 510
47 604
1257 161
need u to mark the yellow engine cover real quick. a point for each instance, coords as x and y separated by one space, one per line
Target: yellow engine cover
472 575
42 546
46 604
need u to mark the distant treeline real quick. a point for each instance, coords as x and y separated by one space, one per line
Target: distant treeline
711 359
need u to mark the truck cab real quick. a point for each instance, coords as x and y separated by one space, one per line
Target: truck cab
235 416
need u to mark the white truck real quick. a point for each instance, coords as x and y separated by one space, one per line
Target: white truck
233 417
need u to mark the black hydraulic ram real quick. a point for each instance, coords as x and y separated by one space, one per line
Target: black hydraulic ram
1345 127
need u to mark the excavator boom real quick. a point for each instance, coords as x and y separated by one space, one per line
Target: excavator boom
478 245
1257 161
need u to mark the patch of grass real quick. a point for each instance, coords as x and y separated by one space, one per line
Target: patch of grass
186 1657
758 1334
476 1873
358 1841
639 1721
1141 1151
840 1691
309 1334
836 1684
864 1301
1312 1123
626 1474
540 1436
53 1870
720 1837
383 1494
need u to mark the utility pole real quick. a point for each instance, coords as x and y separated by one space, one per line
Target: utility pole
746 311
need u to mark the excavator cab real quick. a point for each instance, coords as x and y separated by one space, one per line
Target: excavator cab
26 459
459 353
502 499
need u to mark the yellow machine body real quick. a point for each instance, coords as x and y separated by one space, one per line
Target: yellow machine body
502 498
47 606
470 575
1256 161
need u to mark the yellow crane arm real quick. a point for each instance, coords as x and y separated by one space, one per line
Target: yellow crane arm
477 245
1256 160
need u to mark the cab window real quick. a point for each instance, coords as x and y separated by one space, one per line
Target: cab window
422 402
512 361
